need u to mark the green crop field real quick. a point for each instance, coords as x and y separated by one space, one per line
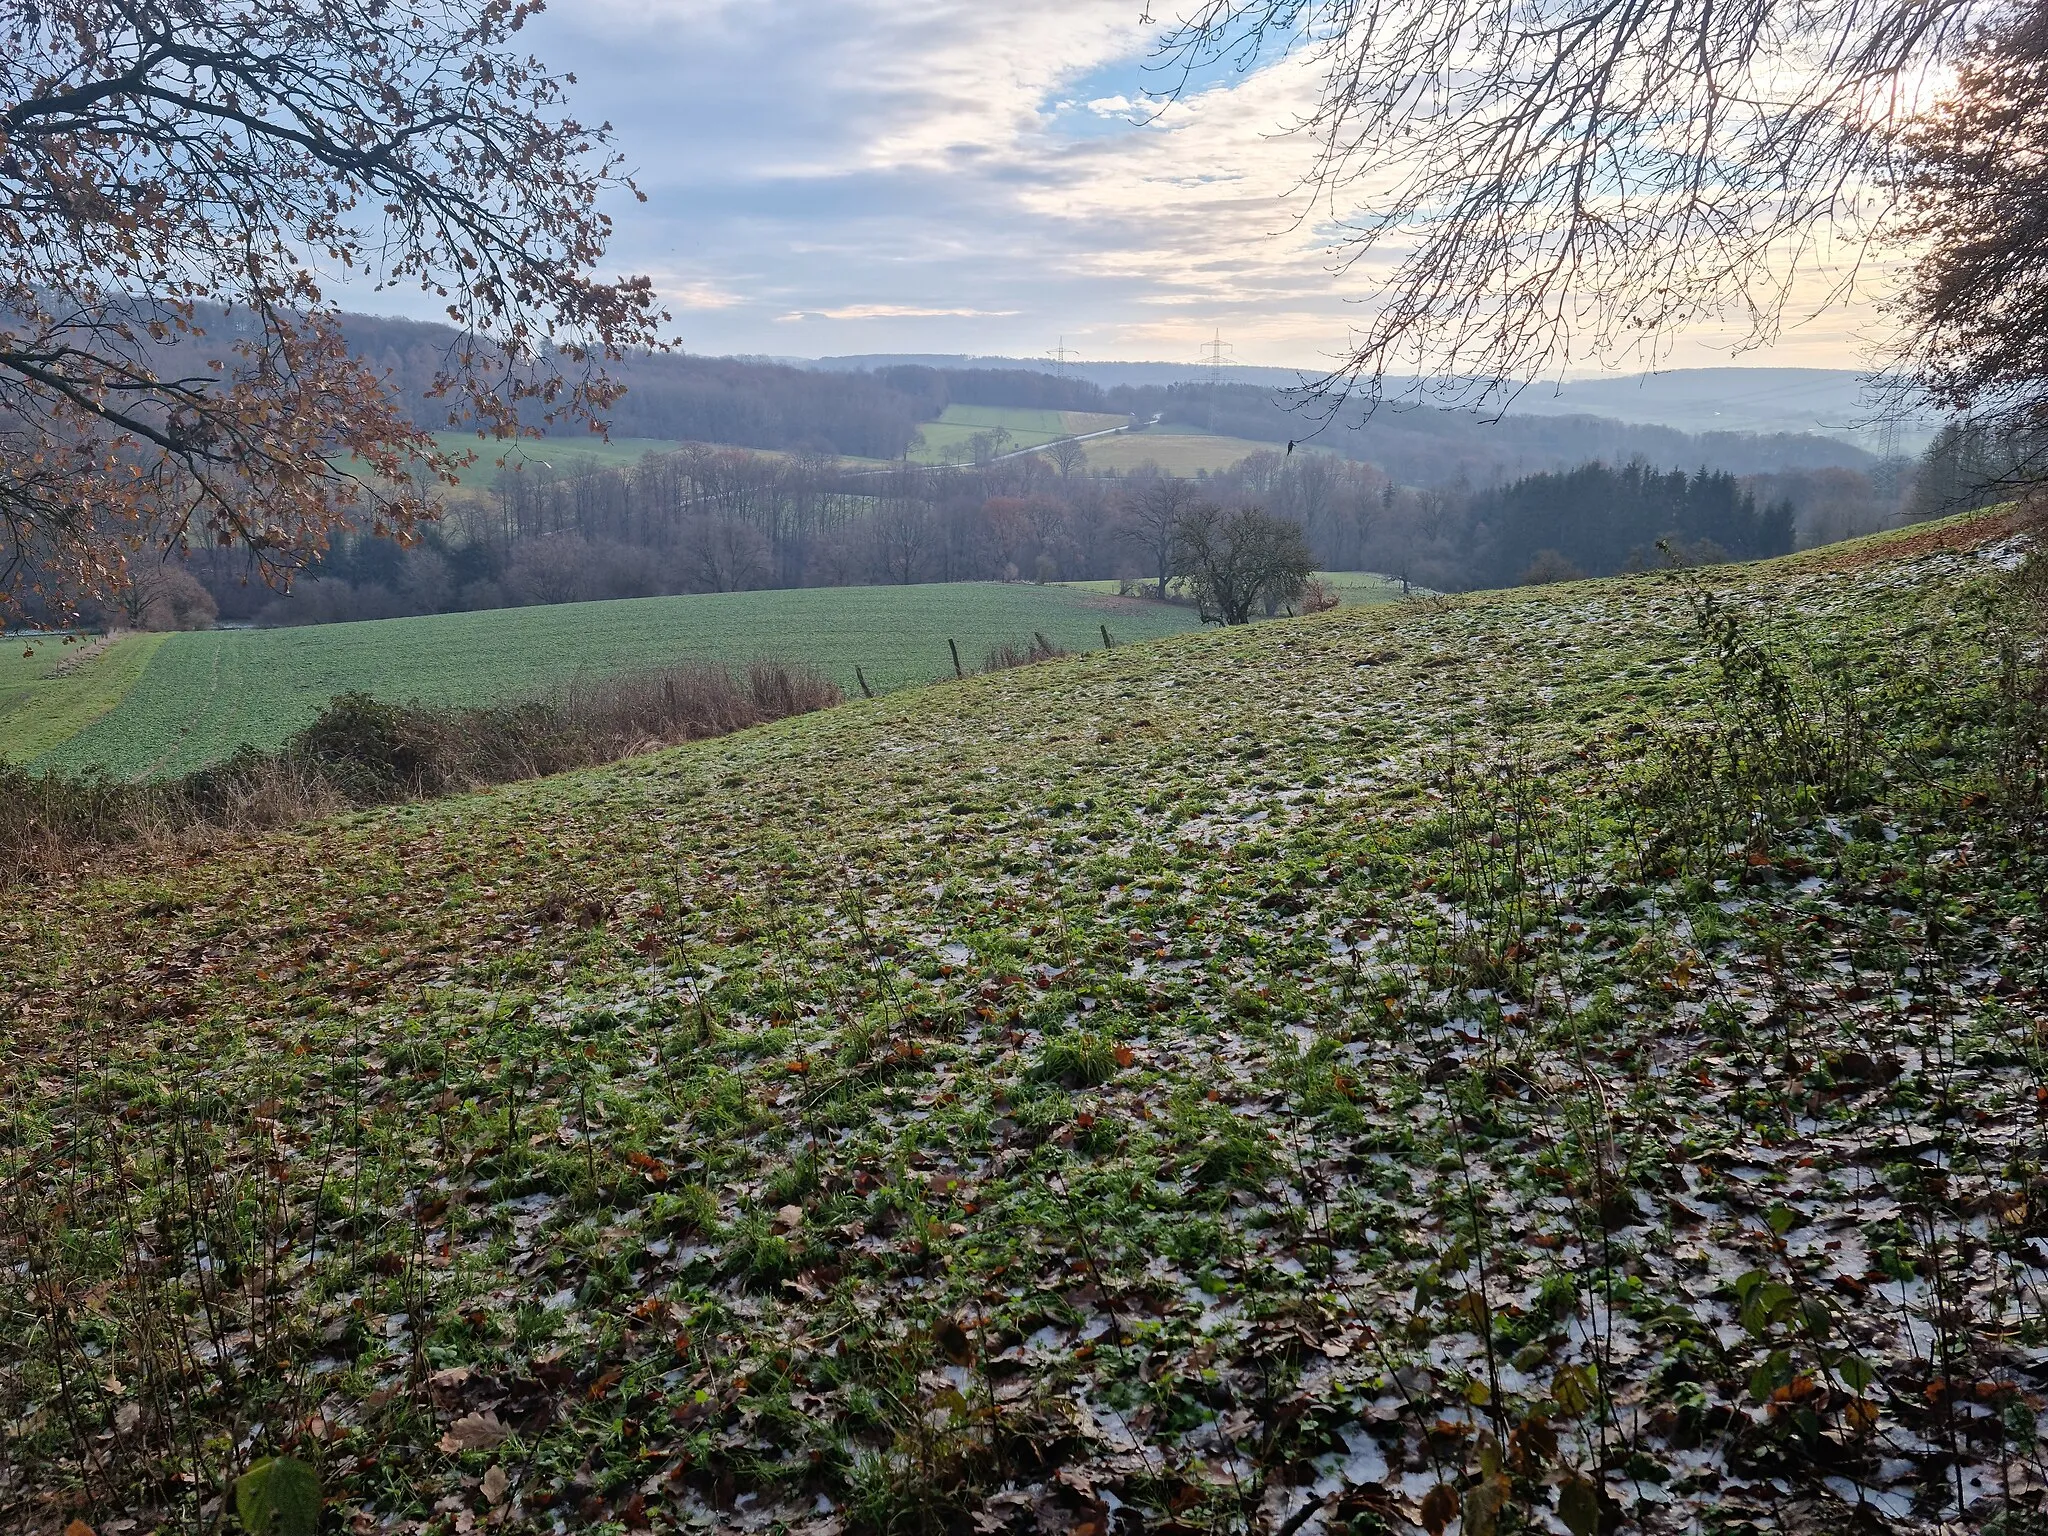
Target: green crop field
204 694
948 440
1354 588
50 691
561 453
1558 1060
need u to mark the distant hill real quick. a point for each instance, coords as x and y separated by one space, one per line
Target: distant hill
1105 375
1833 401
1422 445
1829 402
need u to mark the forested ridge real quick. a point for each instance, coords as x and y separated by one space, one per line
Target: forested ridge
764 403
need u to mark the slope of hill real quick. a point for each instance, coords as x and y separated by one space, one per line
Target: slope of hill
1573 1052
199 696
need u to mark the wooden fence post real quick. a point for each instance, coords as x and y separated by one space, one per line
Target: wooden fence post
956 658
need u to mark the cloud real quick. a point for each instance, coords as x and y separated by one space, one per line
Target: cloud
958 176
893 312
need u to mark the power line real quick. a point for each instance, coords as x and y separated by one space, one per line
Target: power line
1212 355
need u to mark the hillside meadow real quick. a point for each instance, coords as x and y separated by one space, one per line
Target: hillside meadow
165 705
949 439
1544 1060
1175 453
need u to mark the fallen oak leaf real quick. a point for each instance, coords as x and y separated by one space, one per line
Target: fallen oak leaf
474 1432
1439 1508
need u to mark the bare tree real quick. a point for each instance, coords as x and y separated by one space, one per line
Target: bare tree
725 555
900 536
164 597
1150 511
1575 181
1069 453
987 447
1241 560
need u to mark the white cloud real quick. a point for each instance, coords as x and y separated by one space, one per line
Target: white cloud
893 312
869 168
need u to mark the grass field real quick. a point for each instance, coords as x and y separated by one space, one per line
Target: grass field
562 453
1570 1055
204 694
1174 452
947 440
1354 588
42 706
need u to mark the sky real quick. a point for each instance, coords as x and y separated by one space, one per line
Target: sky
827 177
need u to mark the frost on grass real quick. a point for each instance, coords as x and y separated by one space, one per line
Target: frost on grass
1497 1061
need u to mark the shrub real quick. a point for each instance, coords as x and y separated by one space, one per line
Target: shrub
362 751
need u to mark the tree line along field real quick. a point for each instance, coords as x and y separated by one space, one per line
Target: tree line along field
203 694
946 440
1491 1053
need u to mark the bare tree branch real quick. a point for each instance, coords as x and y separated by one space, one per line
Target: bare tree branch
168 168
1573 181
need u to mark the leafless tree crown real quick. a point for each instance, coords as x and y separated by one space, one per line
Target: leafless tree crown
1556 182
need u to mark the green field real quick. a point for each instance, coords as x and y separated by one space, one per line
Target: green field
1356 588
1571 1054
561 453
204 694
42 706
948 440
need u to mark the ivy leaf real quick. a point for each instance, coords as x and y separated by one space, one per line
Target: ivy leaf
279 1496
1578 1505
1856 1373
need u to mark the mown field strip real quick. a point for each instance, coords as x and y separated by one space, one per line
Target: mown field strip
209 693
49 693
